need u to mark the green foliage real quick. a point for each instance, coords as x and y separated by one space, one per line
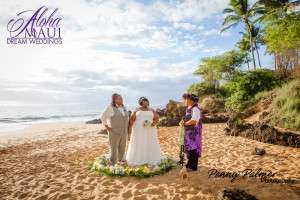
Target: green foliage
213 69
283 33
236 102
263 94
230 62
213 103
286 106
244 86
244 44
101 166
239 11
253 82
210 71
202 89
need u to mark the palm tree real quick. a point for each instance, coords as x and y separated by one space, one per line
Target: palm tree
244 47
240 12
274 9
244 43
256 40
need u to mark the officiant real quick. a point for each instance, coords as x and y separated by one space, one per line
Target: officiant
193 131
115 119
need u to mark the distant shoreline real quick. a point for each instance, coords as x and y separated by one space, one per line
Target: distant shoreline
39 131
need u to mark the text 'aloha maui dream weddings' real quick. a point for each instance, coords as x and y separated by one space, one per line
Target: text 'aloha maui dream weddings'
265 176
41 26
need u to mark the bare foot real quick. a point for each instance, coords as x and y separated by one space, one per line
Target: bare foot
183 173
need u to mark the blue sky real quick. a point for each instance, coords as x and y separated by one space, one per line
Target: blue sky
136 48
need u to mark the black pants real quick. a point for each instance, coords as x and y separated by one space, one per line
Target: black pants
192 160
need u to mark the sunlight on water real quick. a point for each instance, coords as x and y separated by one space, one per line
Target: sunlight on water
15 117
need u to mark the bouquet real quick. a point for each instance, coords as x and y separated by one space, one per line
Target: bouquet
147 123
181 142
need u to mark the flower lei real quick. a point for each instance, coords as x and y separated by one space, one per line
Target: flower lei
101 166
181 143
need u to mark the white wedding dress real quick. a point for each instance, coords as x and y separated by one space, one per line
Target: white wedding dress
143 146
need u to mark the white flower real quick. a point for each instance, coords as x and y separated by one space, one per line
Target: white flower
147 123
156 168
117 170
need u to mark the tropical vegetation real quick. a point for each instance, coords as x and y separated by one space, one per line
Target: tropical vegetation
234 79
285 110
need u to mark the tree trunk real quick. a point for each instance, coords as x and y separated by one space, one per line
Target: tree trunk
248 64
258 58
275 61
252 52
249 29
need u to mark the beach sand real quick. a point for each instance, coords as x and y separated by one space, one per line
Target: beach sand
49 161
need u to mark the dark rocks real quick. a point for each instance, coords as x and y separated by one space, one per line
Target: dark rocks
264 116
173 105
165 121
174 111
262 132
235 194
258 151
161 112
94 121
214 118
172 114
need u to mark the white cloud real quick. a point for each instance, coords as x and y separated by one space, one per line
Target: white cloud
213 50
186 26
194 10
105 43
217 32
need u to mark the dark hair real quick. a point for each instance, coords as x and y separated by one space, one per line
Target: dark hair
113 99
142 99
192 97
184 96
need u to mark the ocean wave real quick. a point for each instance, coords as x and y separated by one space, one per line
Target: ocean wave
39 118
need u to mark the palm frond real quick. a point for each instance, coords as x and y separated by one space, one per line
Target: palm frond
231 19
228 27
228 10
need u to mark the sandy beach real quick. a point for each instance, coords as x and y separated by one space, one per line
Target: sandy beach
49 161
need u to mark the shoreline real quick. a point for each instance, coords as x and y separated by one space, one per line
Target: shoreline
40 131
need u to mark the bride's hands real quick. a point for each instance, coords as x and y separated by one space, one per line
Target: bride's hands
153 124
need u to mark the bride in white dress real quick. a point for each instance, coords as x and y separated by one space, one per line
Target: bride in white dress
143 146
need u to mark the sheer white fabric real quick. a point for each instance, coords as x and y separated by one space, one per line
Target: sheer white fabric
143 146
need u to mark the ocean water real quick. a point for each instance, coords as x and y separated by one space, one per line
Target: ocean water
18 117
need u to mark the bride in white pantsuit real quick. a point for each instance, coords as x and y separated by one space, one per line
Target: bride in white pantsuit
143 146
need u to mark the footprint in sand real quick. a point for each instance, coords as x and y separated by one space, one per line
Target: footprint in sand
65 196
141 186
80 187
127 194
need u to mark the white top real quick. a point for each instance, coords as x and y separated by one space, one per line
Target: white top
108 113
196 114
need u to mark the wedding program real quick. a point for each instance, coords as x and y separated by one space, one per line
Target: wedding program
150 99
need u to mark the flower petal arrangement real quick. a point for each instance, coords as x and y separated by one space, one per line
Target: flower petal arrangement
101 166
147 123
